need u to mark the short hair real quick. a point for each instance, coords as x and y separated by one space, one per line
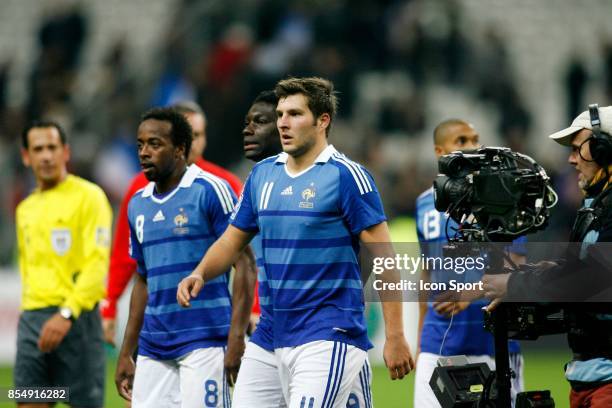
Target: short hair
42 124
186 107
319 93
180 132
267 96
439 131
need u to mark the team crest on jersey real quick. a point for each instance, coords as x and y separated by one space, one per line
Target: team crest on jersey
308 195
181 221
61 240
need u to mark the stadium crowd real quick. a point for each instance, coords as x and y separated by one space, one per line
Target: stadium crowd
387 59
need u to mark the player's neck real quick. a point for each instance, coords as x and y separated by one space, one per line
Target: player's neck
169 183
302 162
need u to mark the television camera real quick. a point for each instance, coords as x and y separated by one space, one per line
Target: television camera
494 195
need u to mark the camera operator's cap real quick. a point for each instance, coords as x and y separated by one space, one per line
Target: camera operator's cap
583 121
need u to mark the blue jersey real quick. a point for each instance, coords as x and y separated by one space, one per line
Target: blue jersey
309 225
467 334
169 235
263 335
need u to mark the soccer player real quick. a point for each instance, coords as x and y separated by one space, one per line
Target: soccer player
63 237
312 206
122 266
173 221
448 328
258 381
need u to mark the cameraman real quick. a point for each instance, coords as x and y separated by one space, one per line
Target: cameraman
583 275
449 328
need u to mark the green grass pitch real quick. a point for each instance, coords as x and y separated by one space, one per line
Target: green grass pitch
543 370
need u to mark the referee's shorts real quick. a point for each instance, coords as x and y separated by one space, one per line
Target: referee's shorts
77 363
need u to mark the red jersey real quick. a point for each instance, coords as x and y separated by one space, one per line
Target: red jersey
122 266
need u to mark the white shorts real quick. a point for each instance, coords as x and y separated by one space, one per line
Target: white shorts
259 384
193 380
427 362
320 373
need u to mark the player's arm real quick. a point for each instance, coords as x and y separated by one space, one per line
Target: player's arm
92 228
517 259
124 374
217 260
423 299
243 289
396 351
425 277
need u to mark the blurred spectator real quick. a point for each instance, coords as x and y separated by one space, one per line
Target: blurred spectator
61 37
515 119
575 81
456 49
398 64
607 64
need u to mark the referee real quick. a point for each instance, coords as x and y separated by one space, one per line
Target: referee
63 231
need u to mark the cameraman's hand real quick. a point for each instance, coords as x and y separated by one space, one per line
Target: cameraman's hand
495 287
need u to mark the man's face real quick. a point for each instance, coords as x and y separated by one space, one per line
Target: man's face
260 135
157 154
198 143
461 136
580 157
296 125
46 155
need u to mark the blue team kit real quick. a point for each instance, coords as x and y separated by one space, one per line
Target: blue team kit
309 225
170 234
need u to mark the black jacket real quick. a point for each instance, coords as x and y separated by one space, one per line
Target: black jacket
584 274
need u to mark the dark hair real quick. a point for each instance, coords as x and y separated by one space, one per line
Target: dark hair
180 131
268 97
42 124
319 93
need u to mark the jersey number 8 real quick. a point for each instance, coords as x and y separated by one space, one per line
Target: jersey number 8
140 227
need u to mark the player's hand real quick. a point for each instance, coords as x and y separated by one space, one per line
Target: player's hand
124 377
189 288
53 332
233 356
449 309
109 327
397 356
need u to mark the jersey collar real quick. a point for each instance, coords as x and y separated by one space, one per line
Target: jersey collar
186 181
323 157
